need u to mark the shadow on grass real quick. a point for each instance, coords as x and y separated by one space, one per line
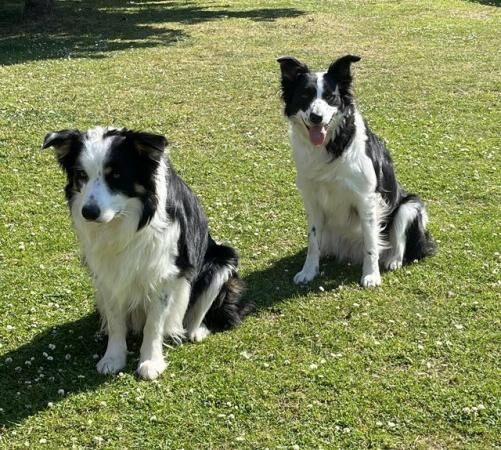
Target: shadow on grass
270 286
488 2
37 375
32 381
94 28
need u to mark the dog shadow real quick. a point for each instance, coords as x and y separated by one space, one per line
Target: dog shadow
56 363
61 361
274 284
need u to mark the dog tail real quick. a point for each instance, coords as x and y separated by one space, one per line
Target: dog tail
419 243
228 308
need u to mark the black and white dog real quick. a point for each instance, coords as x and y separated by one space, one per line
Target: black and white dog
356 208
145 239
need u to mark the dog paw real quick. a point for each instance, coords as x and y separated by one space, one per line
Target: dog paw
305 276
199 334
371 280
151 369
393 264
111 364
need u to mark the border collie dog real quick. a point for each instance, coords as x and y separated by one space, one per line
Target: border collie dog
145 239
356 209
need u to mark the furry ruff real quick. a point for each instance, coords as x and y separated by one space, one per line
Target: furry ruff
144 237
356 208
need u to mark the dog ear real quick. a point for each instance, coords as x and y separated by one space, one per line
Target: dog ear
291 67
152 145
340 69
61 141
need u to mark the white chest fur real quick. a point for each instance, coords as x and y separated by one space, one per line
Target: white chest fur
336 190
130 266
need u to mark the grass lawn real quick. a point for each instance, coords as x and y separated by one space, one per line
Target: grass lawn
411 365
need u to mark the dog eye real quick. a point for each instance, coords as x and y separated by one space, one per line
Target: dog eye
81 175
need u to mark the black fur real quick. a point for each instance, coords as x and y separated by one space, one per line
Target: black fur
68 145
200 257
227 310
387 184
299 90
134 156
130 168
343 137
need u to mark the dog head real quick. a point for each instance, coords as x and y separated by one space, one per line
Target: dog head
316 100
110 172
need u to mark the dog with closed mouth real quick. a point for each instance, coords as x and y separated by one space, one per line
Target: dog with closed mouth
355 207
145 239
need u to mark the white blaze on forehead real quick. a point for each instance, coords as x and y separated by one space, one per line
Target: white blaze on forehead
319 106
95 151
320 84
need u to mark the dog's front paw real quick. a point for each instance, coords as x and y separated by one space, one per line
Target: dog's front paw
199 334
371 280
151 368
111 364
305 276
393 264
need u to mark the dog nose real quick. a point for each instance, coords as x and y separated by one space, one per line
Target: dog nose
91 211
315 118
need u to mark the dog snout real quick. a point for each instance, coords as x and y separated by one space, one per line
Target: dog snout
91 211
315 118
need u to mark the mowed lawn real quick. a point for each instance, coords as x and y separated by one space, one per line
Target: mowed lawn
413 364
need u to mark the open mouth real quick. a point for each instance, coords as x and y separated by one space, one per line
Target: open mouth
317 133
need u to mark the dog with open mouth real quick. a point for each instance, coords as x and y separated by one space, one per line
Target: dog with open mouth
145 239
356 209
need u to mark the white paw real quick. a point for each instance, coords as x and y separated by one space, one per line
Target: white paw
393 264
199 334
305 276
111 364
151 368
371 280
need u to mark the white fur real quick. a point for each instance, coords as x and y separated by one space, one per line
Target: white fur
319 106
199 309
344 212
405 215
134 271
95 190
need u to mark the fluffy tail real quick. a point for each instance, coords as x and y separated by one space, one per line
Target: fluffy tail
419 242
228 309
221 289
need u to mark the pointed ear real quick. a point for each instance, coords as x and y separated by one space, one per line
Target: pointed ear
61 141
340 69
152 145
291 67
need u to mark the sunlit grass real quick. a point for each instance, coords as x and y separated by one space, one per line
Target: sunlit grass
413 364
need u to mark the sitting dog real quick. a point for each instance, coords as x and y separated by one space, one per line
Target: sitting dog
356 209
145 239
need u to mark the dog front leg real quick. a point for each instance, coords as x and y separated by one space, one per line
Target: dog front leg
370 231
312 263
165 316
115 356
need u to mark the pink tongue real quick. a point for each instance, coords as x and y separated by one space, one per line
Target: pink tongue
317 134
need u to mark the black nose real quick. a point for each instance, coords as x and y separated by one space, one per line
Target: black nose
91 211
315 118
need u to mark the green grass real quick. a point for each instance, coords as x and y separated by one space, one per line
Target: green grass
405 366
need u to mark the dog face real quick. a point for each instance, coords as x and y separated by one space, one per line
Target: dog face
108 171
316 101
